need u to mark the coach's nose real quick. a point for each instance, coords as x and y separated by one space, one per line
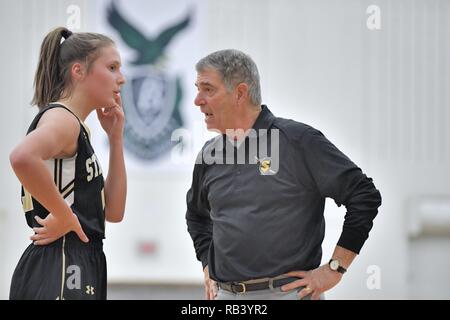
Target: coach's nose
199 100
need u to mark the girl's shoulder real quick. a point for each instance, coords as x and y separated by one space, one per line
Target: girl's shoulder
57 115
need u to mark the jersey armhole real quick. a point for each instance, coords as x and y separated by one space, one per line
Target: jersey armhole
80 126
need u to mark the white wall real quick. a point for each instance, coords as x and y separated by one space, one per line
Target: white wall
380 96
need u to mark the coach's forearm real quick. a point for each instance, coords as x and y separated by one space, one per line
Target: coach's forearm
344 256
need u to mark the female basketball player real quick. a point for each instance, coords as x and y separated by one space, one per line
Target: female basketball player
64 196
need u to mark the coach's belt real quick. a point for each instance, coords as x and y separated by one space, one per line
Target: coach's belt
253 285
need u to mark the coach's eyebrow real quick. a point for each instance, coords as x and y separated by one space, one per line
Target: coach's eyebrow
203 83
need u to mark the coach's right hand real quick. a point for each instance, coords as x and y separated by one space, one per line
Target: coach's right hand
210 286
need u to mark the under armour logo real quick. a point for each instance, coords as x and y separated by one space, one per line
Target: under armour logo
90 290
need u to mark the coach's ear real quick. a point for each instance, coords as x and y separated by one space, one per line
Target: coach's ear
242 94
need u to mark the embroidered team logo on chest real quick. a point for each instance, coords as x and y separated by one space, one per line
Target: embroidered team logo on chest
264 166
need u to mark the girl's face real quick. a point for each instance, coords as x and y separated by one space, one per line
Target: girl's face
104 79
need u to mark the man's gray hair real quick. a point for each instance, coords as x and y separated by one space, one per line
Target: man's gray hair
235 67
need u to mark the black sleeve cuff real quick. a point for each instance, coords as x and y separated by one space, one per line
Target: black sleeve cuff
351 240
204 260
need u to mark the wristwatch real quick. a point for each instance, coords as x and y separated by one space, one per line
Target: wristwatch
335 265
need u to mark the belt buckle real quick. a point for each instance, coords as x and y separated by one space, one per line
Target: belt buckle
244 288
271 284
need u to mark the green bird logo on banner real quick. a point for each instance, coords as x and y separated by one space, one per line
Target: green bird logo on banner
151 97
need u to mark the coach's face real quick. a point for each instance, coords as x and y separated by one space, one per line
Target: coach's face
214 100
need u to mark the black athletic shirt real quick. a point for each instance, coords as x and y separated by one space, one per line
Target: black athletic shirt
79 180
248 225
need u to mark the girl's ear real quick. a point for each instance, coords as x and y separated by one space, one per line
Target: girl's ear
78 71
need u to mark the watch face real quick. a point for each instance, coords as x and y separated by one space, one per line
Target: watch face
334 265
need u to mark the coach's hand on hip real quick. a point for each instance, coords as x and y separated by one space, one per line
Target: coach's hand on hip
315 282
210 286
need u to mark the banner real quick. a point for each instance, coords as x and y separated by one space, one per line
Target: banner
159 42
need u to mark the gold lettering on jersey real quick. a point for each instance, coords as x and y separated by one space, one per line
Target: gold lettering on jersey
93 168
103 198
27 201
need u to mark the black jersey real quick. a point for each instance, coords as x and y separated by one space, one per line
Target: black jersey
79 180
